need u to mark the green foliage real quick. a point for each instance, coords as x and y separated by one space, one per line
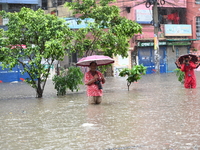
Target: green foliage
180 75
109 33
133 74
103 68
1 39
46 38
70 79
2 57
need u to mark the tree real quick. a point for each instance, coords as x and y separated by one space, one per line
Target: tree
46 38
133 74
69 78
109 33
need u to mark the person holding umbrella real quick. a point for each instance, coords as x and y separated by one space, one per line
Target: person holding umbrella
94 80
188 66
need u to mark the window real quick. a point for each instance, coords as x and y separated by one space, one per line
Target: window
44 4
17 7
197 1
61 2
198 27
172 15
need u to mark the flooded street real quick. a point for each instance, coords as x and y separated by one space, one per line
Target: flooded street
158 113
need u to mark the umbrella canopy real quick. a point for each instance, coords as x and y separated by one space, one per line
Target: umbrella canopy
194 58
99 59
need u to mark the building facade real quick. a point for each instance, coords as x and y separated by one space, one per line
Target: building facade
193 18
176 35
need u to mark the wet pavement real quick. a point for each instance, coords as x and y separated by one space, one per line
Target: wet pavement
156 114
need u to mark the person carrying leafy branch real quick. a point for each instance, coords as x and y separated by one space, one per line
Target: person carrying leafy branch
188 68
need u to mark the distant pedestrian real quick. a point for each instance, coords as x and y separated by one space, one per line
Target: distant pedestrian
94 80
188 67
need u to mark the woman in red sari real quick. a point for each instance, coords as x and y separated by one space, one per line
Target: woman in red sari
188 67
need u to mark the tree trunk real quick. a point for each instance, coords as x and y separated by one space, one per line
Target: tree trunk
39 90
128 84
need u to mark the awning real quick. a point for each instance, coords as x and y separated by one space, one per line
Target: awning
180 42
176 40
164 41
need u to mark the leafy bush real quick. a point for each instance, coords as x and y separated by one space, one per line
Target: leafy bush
180 75
133 74
68 79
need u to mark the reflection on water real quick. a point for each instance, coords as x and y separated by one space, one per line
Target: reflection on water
157 113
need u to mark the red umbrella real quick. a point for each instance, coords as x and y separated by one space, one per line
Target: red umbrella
99 59
194 58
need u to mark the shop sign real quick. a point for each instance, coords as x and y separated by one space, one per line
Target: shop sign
144 44
178 30
143 16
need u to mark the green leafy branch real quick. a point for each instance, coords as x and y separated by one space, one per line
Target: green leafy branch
133 74
180 75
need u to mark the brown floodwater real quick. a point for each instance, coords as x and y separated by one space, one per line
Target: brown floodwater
158 113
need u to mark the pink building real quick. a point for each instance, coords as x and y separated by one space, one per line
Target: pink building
193 18
176 35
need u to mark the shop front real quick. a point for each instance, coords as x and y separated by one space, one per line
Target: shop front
176 48
146 56
169 51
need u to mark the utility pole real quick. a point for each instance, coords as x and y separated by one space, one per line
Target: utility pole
56 7
58 63
156 40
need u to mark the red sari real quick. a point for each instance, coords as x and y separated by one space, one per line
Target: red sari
190 78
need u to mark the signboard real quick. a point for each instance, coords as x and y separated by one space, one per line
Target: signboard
178 30
143 16
144 44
